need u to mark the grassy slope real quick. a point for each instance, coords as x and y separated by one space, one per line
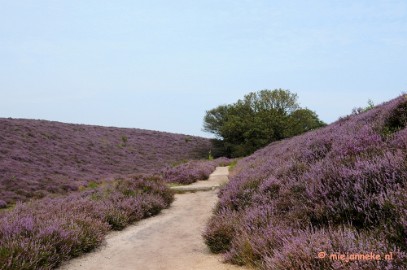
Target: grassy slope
342 188
41 157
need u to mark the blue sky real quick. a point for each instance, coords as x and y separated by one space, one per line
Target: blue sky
160 65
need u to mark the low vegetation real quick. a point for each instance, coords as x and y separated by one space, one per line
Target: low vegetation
192 171
341 189
64 186
43 233
38 158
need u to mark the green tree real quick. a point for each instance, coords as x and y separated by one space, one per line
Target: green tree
257 120
302 120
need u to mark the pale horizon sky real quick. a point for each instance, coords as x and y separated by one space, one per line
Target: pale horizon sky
159 65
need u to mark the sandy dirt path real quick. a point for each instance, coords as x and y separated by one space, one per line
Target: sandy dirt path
171 240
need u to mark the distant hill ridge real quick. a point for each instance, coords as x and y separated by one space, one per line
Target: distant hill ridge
39 157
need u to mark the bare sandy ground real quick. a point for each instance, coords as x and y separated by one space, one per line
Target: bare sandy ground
172 240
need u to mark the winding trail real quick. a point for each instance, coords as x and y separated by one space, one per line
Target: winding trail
169 241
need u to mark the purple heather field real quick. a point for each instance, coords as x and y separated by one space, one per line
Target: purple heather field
78 182
41 234
341 189
42 157
192 171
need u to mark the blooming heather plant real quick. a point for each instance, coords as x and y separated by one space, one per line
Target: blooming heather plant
41 157
192 171
339 189
43 233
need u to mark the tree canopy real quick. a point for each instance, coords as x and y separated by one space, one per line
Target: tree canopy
258 119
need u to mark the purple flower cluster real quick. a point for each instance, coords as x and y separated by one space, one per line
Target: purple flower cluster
43 233
342 188
192 171
42 157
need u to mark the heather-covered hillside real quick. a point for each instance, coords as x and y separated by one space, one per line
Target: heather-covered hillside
41 234
40 157
304 202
